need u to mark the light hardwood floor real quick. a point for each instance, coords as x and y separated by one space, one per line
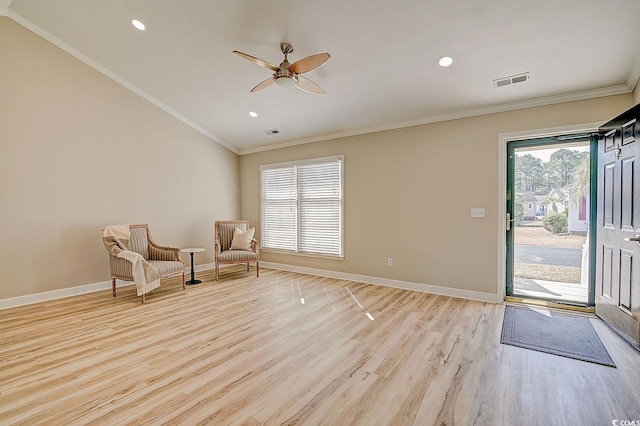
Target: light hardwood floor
288 348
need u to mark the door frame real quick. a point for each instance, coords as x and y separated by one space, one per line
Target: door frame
550 142
503 140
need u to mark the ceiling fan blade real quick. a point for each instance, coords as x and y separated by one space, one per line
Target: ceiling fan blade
309 63
258 61
268 82
309 86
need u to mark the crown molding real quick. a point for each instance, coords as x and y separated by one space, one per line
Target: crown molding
513 106
620 89
115 77
634 74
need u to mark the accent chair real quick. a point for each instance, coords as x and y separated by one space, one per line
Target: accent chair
234 243
165 260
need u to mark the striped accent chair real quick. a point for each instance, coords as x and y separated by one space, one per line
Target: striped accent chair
223 236
166 259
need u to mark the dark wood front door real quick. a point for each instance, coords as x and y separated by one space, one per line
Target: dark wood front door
618 217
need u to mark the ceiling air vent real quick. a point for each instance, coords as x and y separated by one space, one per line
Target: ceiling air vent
271 132
506 81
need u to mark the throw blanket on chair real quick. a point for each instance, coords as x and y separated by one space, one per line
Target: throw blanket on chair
116 240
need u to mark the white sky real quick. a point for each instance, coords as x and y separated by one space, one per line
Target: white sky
545 154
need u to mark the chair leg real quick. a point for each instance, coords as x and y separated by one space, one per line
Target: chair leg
113 286
143 298
258 269
184 287
217 268
247 266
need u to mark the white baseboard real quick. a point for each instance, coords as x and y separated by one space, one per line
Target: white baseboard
405 285
44 296
203 267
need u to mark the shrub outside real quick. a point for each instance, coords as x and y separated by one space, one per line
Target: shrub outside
556 223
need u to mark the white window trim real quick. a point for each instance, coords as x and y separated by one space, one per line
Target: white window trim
341 230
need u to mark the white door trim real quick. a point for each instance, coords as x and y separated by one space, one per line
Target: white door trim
503 139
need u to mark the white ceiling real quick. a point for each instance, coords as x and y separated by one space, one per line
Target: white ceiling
383 71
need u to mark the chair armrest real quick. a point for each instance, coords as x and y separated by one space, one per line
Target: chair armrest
216 247
120 267
164 253
255 246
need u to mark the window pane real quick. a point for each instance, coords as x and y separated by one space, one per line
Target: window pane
278 208
319 208
301 206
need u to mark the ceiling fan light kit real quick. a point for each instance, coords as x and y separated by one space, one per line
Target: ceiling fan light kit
285 78
286 74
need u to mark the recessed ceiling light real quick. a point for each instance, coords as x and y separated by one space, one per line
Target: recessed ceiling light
139 25
253 114
445 61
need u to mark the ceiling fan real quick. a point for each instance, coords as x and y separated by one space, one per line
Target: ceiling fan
287 75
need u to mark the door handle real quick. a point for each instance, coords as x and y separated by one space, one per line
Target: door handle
636 238
509 220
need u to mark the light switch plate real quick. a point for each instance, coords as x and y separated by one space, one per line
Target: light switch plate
477 213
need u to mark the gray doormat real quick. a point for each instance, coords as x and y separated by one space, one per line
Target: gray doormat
552 332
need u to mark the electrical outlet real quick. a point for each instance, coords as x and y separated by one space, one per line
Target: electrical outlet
390 261
477 213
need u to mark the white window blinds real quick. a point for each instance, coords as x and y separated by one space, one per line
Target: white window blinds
278 208
301 206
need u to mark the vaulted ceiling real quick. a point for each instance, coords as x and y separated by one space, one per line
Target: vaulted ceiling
383 72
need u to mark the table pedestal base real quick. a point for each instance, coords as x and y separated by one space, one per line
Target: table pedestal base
193 280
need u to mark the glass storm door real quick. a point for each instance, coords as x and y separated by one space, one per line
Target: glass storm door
549 213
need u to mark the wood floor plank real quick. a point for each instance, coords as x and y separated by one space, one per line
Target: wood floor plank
288 348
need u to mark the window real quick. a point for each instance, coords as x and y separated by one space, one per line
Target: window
582 210
301 206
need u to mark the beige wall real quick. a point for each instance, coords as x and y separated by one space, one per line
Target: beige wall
408 194
77 152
